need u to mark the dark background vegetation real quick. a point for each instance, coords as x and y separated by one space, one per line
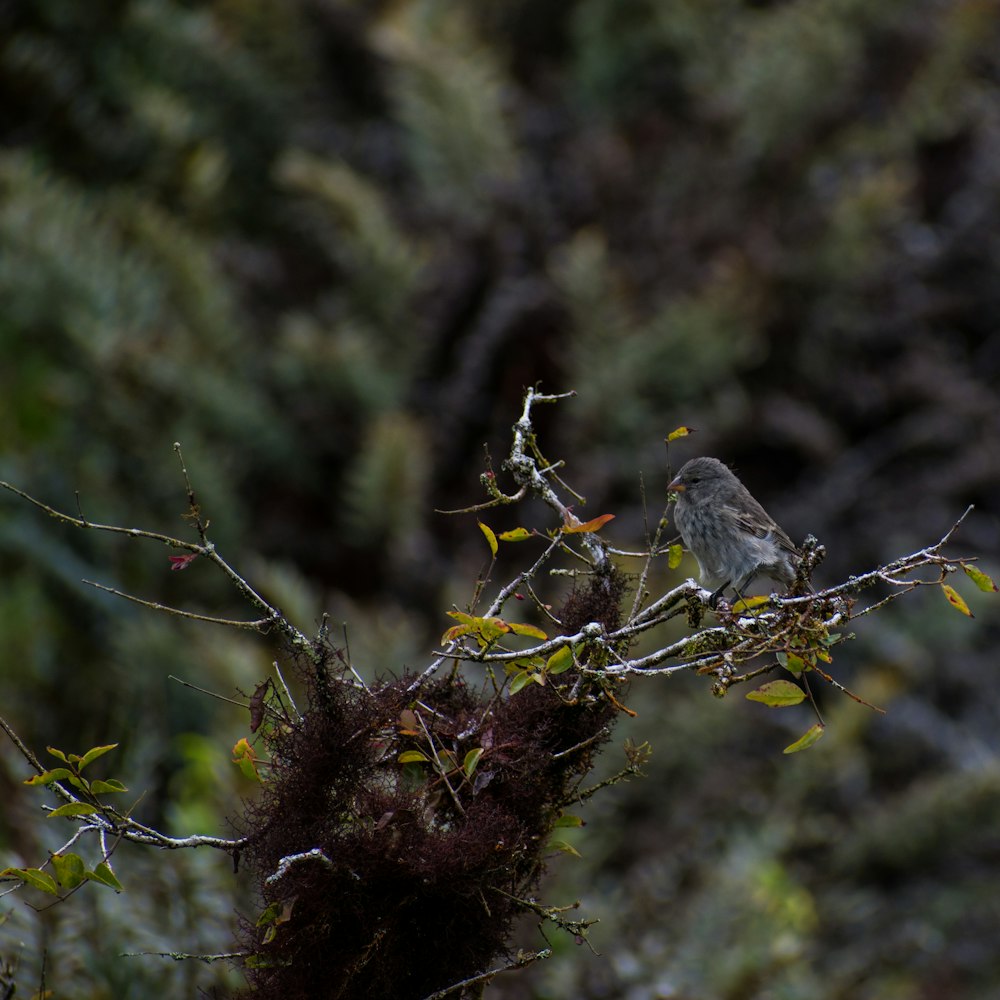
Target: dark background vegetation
325 245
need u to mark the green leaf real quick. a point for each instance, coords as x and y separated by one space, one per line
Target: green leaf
955 601
528 663
521 678
566 819
414 775
515 535
678 433
57 753
70 870
807 739
777 694
101 787
245 757
793 663
979 578
565 847
34 877
102 873
594 524
413 757
74 809
529 630
95 752
675 553
269 915
560 661
491 538
471 760
47 777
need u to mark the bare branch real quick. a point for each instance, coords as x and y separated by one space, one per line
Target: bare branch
260 625
523 959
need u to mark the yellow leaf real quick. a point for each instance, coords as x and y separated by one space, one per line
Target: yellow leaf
955 601
413 756
485 629
678 433
532 631
674 555
246 759
514 535
749 603
491 538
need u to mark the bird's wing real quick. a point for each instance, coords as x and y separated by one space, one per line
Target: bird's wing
757 522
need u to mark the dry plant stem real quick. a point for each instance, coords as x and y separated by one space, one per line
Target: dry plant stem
499 501
529 574
195 510
630 771
484 977
294 859
211 694
441 769
183 956
651 547
273 618
526 473
260 625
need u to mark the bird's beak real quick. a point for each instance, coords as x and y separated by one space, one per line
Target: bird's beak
676 486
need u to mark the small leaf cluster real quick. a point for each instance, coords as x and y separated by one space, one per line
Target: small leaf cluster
70 871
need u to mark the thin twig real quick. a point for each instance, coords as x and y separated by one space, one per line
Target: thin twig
260 625
523 959
439 767
211 694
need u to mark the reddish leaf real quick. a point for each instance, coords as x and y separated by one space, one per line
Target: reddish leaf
595 524
182 562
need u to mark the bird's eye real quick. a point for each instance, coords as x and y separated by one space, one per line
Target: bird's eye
694 479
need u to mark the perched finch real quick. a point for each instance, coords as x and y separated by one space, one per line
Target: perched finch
733 538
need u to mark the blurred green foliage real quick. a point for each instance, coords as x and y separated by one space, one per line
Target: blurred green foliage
324 244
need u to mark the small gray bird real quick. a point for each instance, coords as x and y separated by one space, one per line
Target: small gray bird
733 538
